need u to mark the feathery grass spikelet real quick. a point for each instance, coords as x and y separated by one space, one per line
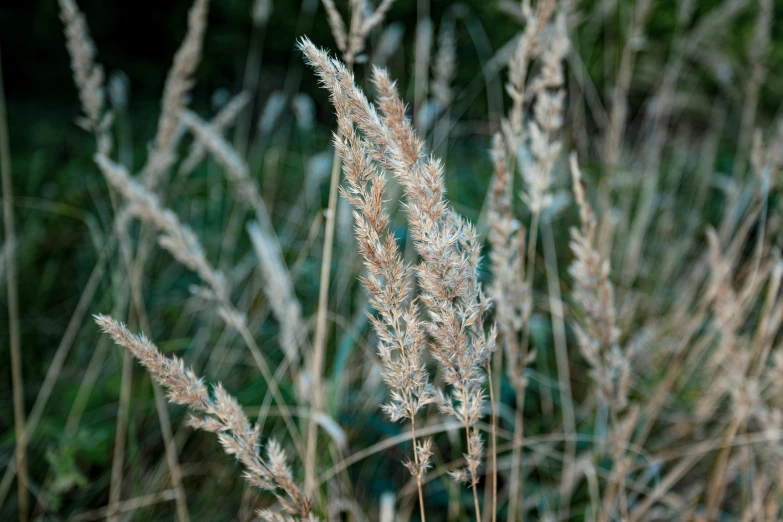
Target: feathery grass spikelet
767 160
507 238
222 415
87 74
351 42
235 167
448 273
445 66
597 332
547 90
222 120
177 238
524 52
179 81
401 333
336 24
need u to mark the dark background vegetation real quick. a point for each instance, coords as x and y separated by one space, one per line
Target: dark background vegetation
140 37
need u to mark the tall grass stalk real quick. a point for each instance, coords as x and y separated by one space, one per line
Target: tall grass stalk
14 337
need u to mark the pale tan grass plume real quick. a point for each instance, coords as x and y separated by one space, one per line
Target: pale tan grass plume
222 415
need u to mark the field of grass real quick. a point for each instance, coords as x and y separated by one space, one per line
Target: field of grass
551 291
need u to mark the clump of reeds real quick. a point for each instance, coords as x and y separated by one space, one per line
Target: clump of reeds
447 244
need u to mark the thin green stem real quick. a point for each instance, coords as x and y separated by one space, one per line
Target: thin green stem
13 308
